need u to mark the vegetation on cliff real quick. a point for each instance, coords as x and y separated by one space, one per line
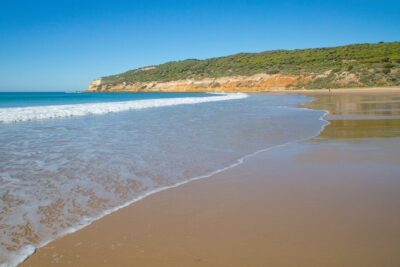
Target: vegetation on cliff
344 66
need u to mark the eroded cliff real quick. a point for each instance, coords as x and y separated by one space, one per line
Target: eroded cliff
253 83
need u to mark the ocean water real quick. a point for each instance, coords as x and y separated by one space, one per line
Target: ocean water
20 107
69 159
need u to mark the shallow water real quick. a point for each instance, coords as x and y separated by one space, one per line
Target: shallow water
57 175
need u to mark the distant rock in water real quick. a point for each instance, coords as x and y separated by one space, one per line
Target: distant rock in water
359 65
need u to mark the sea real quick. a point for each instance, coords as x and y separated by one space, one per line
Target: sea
68 159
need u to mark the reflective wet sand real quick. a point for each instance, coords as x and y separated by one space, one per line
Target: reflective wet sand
354 116
329 201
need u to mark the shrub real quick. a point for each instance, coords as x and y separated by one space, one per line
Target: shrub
363 57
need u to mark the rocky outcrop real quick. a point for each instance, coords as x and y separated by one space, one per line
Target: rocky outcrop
254 83
95 85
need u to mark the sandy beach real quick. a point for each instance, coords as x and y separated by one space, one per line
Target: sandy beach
331 200
331 91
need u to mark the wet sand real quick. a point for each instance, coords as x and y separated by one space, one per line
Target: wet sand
332 200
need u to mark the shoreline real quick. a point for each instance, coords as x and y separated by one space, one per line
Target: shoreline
238 162
369 90
165 191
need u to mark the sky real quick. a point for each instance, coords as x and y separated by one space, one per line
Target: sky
61 45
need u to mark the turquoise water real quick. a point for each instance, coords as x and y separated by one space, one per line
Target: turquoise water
20 107
68 160
25 99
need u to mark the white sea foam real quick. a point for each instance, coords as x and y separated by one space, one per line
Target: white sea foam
19 256
20 114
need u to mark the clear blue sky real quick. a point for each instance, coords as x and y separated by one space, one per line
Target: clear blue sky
61 45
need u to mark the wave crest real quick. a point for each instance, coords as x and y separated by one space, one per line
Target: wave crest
20 114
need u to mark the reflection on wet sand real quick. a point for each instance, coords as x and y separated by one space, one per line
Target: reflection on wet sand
354 116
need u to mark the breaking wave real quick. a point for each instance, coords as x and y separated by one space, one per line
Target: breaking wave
20 114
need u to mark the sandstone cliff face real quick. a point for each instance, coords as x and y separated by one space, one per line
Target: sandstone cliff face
254 83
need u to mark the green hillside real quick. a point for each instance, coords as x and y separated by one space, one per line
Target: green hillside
371 64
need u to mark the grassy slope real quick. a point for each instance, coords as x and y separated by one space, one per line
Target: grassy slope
371 64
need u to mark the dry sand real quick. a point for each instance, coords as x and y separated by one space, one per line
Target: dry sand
366 90
329 201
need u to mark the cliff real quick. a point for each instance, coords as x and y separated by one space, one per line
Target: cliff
361 65
253 83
